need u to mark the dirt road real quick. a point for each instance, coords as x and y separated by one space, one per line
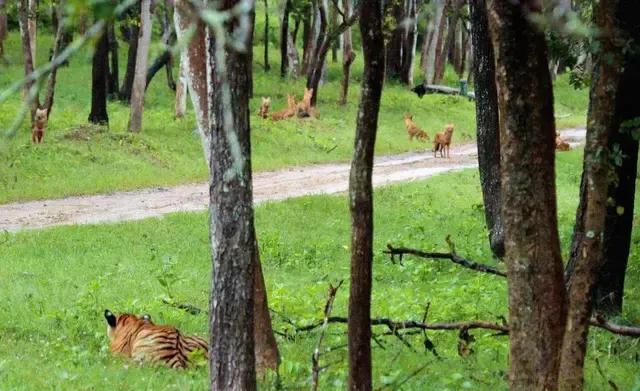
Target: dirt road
273 185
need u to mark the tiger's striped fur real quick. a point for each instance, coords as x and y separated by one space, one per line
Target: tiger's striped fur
139 338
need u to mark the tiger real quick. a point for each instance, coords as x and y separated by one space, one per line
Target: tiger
142 340
442 140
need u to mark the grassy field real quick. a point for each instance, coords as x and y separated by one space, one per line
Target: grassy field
55 284
81 159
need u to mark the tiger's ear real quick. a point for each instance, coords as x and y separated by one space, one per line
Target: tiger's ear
110 317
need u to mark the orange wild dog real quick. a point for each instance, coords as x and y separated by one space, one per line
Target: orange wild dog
39 125
304 108
287 112
442 140
413 130
561 145
264 108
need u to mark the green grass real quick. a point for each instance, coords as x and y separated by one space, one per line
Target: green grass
55 283
79 159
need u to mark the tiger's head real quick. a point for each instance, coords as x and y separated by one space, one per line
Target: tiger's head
120 328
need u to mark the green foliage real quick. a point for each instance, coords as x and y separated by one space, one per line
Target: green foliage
55 284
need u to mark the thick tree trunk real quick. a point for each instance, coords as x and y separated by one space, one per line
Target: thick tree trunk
3 26
284 39
487 124
428 60
267 67
310 30
231 316
99 72
601 123
439 56
23 19
409 43
348 55
334 25
165 59
142 56
133 30
395 10
266 347
361 197
537 310
114 76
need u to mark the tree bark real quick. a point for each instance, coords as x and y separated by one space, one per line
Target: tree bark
114 76
267 67
284 39
231 316
361 197
309 33
601 123
165 59
348 55
140 78
537 309
487 124
57 48
428 59
32 28
266 348
438 51
181 88
409 43
99 72
133 28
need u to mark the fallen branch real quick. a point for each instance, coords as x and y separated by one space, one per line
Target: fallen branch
452 256
315 358
627 331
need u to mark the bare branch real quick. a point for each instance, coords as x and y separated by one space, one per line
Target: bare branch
315 358
452 256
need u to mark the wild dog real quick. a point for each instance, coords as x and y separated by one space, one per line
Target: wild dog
442 140
413 130
264 108
561 145
39 125
304 108
287 112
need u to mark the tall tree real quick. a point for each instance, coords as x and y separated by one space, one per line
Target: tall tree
140 78
487 124
361 196
601 123
99 72
231 317
58 42
180 108
609 285
348 55
114 71
284 35
23 19
439 54
409 40
537 308
132 32
32 28
165 59
266 348
395 11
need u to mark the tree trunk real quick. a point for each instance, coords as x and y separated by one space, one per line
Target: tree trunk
266 348
428 59
601 123
57 48
395 10
3 26
114 77
23 16
267 67
348 55
537 310
181 88
133 32
487 124
284 39
309 33
32 28
439 55
139 81
361 197
165 59
99 72
609 285
231 315
409 43
334 25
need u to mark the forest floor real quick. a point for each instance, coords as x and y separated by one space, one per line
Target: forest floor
268 186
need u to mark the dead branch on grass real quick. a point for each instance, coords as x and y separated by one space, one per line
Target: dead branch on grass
315 358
